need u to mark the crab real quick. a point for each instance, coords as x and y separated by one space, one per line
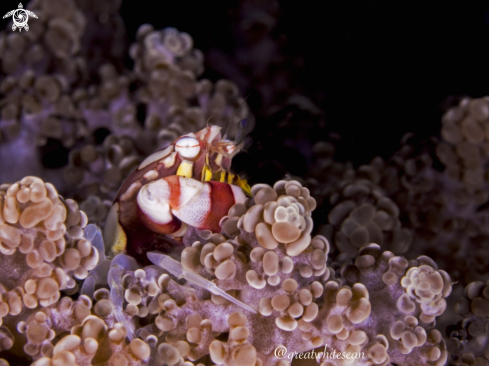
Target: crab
188 183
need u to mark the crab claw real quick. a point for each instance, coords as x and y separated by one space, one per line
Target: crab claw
165 203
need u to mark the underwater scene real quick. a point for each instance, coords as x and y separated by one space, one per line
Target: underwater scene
244 183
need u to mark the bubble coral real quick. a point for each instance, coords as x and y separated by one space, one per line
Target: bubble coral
104 25
41 65
468 339
168 66
43 246
264 257
411 320
430 215
263 252
96 209
60 25
362 214
160 48
99 171
92 339
297 296
464 151
95 343
39 330
44 105
446 221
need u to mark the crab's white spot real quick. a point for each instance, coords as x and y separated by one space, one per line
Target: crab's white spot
181 231
210 133
151 175
131 191
169 161
189 188
153 199
194 214
156 156
239 196
114 235
188 147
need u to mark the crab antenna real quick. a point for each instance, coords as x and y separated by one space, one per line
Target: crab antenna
245 126
234 115
208 119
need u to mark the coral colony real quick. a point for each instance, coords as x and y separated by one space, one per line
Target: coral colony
157 254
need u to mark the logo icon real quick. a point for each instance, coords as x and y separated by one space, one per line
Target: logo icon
20 17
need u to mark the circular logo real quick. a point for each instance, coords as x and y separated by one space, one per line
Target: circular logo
20 18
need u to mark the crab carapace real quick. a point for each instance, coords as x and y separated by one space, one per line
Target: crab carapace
186 183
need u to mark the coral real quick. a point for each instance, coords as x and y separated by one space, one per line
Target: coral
99 170
39 330
104 25
43 247
54 38
360 211
94 343
465 150
168 66
415 292
96 209
44 104
264 256
150 148
365 215
46 234
382 307
446 221
59 108
428 215
285 278
156 49
42 68
468 339
92 340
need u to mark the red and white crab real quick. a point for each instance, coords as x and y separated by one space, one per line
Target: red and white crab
186 183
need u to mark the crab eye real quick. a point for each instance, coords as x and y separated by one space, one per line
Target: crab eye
187 147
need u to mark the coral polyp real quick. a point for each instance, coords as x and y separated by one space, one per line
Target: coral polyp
264 256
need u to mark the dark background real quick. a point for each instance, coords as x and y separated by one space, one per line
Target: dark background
376 69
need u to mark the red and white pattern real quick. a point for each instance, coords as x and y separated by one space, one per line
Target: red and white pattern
165 203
